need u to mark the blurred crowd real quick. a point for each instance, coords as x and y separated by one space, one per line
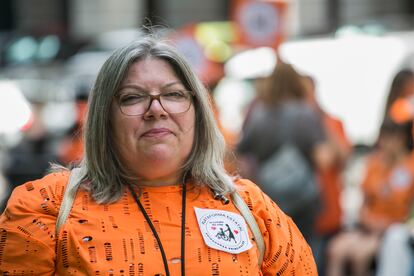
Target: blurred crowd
286 112
284 126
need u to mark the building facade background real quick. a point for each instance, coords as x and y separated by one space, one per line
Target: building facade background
80 19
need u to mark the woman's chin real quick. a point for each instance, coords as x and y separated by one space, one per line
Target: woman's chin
160 153
161 157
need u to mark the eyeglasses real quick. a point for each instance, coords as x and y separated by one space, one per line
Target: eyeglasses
138 103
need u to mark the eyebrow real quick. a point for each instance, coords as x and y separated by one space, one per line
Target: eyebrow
142 89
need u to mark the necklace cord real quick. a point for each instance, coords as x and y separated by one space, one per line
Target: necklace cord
164 257
154 231
183 215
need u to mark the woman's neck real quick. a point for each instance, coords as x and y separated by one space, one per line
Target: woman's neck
159 182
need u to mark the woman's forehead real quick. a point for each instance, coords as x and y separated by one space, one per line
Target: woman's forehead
151 70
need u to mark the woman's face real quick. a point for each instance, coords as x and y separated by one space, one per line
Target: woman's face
156 144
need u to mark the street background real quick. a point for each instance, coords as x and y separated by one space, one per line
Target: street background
51 51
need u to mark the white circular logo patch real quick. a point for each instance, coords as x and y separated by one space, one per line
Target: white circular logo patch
401 178
222 230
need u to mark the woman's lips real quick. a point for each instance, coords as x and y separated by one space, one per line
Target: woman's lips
157 133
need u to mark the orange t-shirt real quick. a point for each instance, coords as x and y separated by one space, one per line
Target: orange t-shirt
114 239
329 220
388 191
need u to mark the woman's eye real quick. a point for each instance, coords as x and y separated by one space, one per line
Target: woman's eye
174 95
132 99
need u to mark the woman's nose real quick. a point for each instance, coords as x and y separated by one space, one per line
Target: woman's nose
155 109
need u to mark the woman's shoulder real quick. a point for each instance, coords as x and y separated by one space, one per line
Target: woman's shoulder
279 232
28 225
248 189
52 182
255 198
42 195
245 184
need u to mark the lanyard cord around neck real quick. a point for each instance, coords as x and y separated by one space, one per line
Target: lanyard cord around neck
154 232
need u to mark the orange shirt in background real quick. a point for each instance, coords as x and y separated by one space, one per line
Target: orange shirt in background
71 147
329 219
388 191
114 239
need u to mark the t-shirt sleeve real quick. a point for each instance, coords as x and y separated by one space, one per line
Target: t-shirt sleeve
27 227
287 252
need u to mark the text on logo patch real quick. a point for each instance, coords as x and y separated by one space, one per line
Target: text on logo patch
223 230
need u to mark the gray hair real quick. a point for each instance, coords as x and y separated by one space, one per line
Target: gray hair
101 165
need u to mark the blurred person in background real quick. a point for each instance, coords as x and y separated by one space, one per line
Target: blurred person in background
329 219
388 192
152 196
399 108
31 158
70 148
396 252
4 191
400 102
281 115
230 138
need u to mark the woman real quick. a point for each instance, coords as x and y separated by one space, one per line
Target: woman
153 156
395 254
281 116
388 181
329 219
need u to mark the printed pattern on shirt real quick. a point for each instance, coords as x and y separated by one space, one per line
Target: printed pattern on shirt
115 239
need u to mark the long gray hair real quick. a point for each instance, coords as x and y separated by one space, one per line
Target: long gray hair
102 168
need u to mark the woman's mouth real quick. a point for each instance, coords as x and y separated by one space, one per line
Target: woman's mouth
157 133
